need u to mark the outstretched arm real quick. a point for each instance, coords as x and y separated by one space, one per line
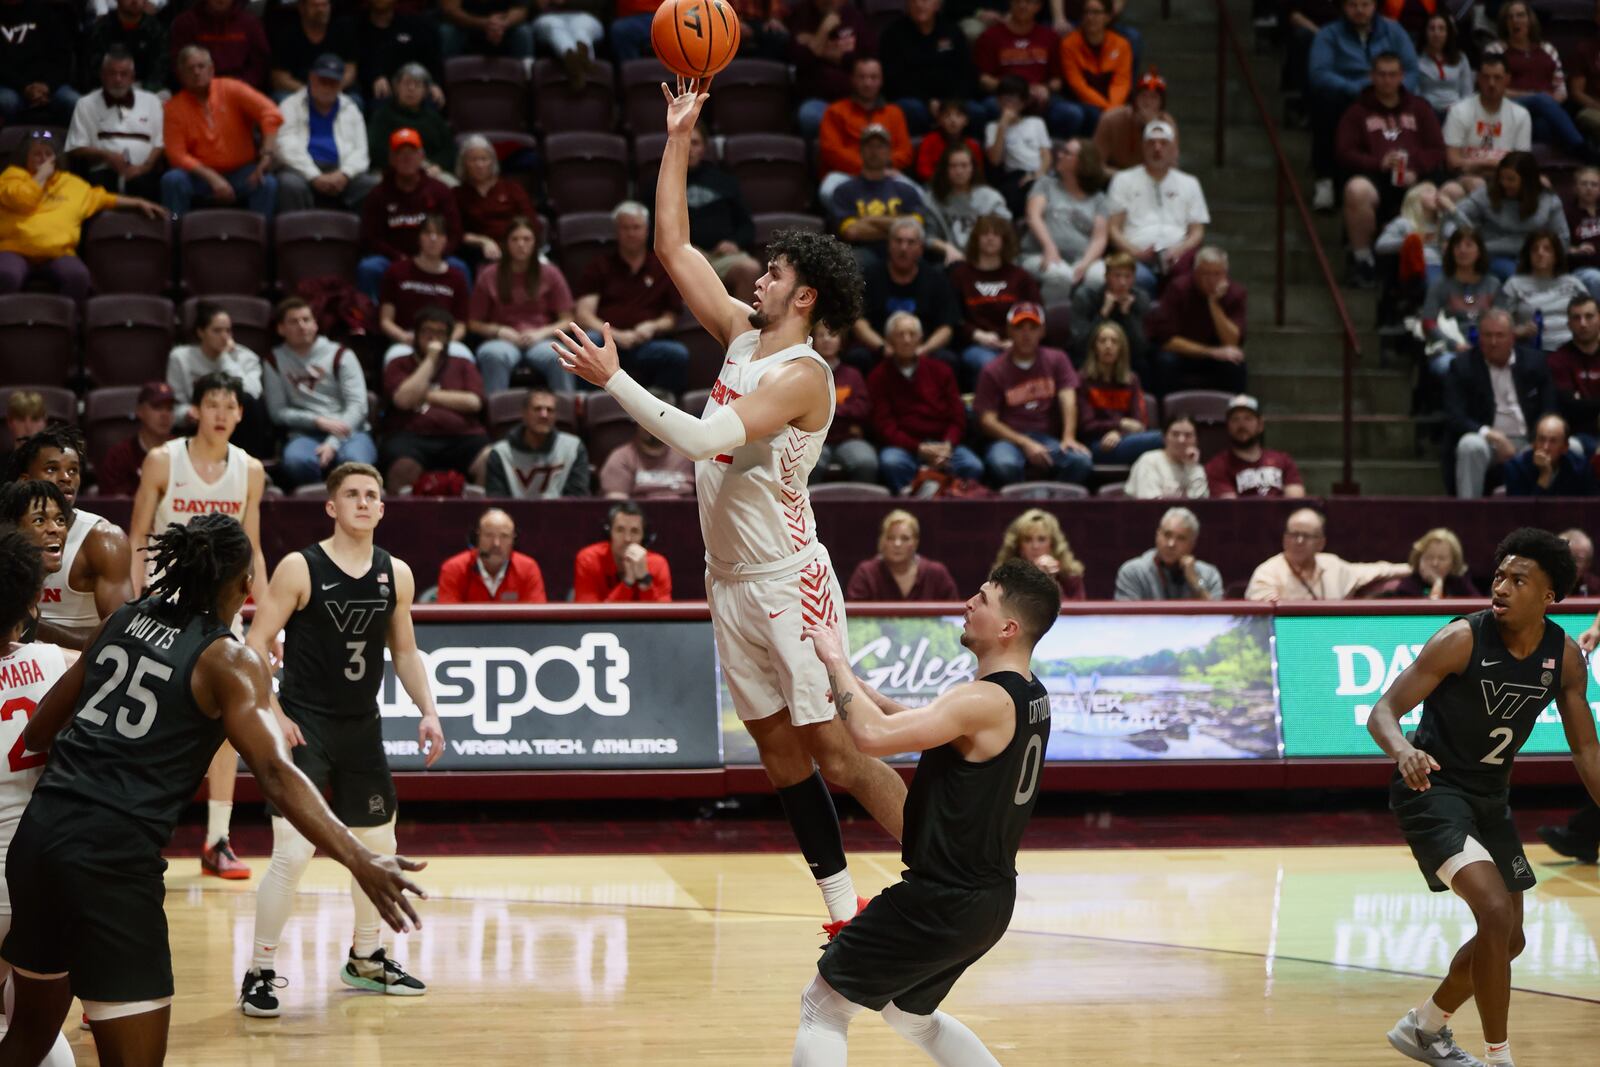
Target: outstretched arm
58 705
1447 652
232 678
964 711
1577 719
152 484
707 298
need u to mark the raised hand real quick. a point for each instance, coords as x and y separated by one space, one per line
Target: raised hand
593 363
683 108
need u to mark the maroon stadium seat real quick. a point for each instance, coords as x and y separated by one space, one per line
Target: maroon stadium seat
647 150
1044 491
644 109
108 418
558 108
127 252
38 335
486 93
126 338
770 223
753 96
223 250
315 244
505 411
772 171
585 171
583 236
606 426
1209 410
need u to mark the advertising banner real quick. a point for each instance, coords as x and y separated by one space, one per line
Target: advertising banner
1122 687
561 696
1332 669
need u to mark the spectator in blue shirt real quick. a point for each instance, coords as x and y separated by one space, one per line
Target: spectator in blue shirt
1548 467
1341 67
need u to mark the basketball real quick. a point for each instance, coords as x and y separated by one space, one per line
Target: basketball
695 38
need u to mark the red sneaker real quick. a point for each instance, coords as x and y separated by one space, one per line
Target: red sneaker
832 929
220 861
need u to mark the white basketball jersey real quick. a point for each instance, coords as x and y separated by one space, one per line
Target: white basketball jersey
754 507
188 496
25 677
60 603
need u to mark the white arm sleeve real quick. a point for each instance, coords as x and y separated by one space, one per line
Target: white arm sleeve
695 438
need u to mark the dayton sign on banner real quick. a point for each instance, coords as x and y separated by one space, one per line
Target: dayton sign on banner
561 696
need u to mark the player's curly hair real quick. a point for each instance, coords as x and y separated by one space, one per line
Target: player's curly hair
1551 553
18 498
195 561
827 265
21 577
65 438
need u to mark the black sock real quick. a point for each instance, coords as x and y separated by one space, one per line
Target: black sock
809 809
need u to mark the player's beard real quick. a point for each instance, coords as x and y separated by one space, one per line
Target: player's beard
761 320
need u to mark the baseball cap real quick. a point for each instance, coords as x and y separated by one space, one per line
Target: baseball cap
1246 401
876 129
1153 82
328 65
1025 311
156 393
1158 131
407 136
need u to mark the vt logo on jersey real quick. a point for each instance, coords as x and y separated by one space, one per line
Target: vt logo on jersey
354 616
1509 699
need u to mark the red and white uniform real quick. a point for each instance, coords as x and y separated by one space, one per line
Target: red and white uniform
26 675
188 496
767 575
59 602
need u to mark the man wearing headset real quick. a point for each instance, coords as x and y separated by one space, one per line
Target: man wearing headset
621 569
490 570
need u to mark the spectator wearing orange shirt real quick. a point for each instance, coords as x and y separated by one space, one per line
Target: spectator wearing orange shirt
1097 64
839 136
620 569
490 570
210 129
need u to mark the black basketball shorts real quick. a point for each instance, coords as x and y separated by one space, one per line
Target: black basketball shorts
1438 822
344 758
87 898
913 941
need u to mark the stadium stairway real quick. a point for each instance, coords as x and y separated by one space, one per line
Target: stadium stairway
1295 368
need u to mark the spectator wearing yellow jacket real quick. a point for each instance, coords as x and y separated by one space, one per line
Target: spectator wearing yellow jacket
1096 63
42 210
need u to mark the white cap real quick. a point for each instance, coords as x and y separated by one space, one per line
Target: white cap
1158 130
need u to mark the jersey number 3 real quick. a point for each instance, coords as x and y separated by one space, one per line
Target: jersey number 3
19 758
133 720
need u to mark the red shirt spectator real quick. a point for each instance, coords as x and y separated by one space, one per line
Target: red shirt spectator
931 150
462 581
490 213
117 473
393 213
234 37
1185 311
1026 399
1370 130
1575 371
872 580
410 288
924 407
457 372
1031 53
595 579
1269 475
822 61
627 296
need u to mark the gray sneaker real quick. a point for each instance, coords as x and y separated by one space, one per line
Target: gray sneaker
1439 1049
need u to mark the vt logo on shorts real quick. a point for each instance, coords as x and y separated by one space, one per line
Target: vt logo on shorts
1508 699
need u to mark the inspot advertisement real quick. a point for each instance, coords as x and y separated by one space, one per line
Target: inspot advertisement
561 696
1122 687
1333 669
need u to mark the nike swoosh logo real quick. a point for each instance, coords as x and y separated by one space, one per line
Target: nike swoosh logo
329 585
775 614
1488 662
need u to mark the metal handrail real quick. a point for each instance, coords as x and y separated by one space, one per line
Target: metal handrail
1287 186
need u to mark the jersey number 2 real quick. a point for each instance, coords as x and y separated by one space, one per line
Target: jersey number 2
1506 737
19 758
127 725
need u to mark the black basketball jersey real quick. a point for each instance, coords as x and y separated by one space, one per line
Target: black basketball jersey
1474 723
333 647
138 742
964 820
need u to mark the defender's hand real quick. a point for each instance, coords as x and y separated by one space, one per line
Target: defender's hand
593 363
383 880
825 642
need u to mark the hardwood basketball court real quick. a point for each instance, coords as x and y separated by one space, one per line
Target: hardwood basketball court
1269 956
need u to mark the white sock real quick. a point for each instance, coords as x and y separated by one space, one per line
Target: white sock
839 894
946 1039
1500 1053
218 813
1431 1017
291 852
369 925
822 1040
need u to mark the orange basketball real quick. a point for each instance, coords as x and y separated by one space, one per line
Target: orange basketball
695 38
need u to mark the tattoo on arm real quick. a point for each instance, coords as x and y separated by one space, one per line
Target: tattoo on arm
841 697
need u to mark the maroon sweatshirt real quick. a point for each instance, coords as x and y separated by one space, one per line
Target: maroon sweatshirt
925 407
987 295
391 217
1103 405
237 43
1369 131
852 405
